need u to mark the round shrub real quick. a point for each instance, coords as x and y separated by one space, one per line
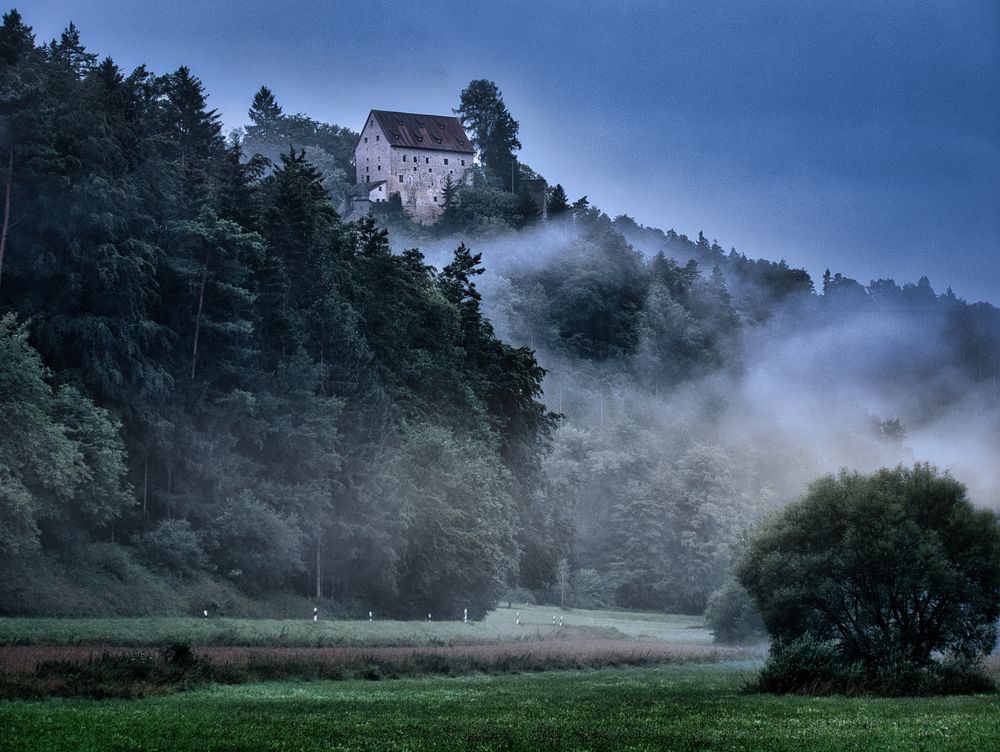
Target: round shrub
732 616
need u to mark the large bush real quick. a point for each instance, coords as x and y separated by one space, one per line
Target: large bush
893 570
732 615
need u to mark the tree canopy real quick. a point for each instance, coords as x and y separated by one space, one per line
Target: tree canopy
894 568
493 129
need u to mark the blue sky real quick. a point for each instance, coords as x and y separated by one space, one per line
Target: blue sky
856 135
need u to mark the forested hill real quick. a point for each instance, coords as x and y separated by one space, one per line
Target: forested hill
214 390
200 361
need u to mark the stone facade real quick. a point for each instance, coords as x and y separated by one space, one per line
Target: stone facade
415 155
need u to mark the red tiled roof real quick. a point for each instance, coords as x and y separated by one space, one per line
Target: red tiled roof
438 132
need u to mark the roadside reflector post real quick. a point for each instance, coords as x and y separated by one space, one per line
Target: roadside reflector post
465 616
369 616
518 619
315 613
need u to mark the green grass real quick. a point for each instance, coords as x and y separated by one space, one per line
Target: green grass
667 708
499 626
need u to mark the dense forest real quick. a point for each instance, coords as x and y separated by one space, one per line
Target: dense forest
215 393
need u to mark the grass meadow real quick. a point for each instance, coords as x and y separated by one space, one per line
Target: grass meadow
519 623
602 680
691 707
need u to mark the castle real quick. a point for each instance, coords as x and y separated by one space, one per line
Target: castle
409 154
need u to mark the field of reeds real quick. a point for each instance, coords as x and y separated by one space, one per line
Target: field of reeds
137 657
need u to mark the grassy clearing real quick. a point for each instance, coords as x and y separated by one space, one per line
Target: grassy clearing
499 627
666 708
120 657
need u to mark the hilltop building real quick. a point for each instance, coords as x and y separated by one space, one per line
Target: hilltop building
409 154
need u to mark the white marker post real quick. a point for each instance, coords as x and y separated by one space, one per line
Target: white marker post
518 619
205 612
369 616
465 616
315 613
428 617
560 621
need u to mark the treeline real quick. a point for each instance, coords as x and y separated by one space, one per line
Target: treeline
204 367
211 377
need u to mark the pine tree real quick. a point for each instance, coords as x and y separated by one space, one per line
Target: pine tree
494 131
16 39
70 53
557 202
265 114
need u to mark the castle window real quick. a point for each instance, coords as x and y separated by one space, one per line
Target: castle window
463 163
427 160
414 169
430 169
378 138
400 178
380 189
404 157
366 139
380 168
435 199
446 160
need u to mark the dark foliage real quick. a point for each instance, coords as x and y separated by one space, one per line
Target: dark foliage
891 569
205 364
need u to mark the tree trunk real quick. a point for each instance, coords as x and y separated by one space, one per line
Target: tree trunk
197 320
145 489
6 206
319 571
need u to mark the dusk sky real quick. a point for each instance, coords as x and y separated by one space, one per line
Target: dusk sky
860 136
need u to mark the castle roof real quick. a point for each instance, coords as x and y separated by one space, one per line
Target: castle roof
359 190
437 132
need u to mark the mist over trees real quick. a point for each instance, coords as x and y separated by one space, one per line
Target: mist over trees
235 382
215 380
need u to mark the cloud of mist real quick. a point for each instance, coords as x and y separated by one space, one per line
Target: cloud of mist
806 401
